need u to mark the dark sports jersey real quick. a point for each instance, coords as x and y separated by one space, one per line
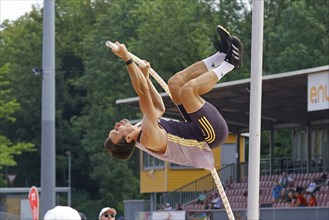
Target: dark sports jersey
185 146
186 130
190 143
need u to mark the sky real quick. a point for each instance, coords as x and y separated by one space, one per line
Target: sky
12 9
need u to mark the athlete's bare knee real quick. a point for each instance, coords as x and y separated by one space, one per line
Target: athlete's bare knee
175 82
171 82
187 90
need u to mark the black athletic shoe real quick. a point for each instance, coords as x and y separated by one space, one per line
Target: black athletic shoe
234 54
225 39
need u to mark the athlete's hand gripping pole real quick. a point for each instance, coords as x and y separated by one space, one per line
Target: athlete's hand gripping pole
142 64
165 87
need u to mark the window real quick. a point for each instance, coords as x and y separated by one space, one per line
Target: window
299 151
320 143
177 166
150 162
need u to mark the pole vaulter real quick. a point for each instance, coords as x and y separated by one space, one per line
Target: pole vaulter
188 142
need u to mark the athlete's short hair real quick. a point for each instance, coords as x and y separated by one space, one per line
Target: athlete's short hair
121 150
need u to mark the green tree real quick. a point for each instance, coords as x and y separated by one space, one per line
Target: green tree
20 46
297 37
105 80
8 105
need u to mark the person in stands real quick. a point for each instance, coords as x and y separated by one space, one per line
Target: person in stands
312 201
300 199
285 180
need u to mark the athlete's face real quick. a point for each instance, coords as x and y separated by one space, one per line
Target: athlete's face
121 129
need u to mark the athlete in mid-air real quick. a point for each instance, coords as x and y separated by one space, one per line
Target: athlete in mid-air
186 142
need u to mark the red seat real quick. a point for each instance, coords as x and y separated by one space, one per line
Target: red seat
320 197
305 183
321 203
262 184
240 205
293 175
262 199
268 184
229 192
317 175
266 178
322 189
238 192
312 176
233 185
299 183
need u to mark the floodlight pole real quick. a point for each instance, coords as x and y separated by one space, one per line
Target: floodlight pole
48 147
255 109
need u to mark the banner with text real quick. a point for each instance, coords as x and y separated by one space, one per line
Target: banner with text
318 91
161 215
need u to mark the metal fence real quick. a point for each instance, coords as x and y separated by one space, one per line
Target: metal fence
285 164
191 191
300 213
6 216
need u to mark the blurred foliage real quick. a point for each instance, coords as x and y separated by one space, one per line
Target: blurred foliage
8 106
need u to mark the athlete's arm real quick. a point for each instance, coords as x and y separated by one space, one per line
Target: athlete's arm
156 97
139 82
152 137
137 78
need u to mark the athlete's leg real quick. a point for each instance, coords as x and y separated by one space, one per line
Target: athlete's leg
195 70
177 81
190 93
203 114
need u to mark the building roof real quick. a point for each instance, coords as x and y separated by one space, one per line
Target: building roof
284 101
